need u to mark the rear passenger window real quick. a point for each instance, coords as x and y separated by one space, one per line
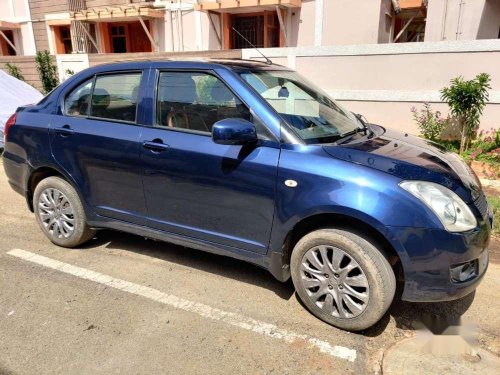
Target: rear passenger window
115 97
195 101
77 103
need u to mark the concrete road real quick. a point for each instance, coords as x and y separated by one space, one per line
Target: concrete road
124 304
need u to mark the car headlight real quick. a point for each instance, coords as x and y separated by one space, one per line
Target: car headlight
451 210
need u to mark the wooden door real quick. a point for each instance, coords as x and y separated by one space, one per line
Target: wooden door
139 41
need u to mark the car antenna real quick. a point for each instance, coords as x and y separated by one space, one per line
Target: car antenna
268 60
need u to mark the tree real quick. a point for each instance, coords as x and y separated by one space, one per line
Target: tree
14 71
467 100
47 71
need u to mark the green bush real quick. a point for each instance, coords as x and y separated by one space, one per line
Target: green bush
467 100
431 124
14 71
47 71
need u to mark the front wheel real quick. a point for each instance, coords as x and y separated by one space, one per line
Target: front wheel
342 278
60 214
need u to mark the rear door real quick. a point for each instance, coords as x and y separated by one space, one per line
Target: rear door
96 140
196 188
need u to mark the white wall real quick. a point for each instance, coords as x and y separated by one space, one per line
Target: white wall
75 62
209 39
18 11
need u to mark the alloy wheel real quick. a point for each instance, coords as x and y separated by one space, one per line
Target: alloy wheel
334 281
56 213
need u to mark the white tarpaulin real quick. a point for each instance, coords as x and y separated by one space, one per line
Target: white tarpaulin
14 93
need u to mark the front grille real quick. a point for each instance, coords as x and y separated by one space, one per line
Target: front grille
482 205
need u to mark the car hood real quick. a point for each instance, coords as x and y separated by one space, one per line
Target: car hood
410 158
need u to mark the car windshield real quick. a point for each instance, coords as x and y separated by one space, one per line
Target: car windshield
310 112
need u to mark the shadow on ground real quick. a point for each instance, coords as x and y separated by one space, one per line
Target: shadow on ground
408 315
222 266
405 314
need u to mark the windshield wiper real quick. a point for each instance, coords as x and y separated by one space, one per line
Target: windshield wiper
362 120
347 136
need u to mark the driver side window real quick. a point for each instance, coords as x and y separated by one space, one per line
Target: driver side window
195 101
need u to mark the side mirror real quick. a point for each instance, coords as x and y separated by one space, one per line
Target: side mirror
234 131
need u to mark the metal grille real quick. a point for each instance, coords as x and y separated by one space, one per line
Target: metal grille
252 28
81 41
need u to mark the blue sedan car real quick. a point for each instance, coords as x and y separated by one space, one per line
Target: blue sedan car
250 160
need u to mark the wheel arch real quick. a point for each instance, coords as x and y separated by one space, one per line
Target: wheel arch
40 173
371 230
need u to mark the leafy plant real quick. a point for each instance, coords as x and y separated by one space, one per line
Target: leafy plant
47 71
467 100
69 72
14 71
486 147
431 124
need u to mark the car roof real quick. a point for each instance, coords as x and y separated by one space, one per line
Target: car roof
194 63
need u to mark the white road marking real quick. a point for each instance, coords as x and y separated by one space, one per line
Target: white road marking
237 320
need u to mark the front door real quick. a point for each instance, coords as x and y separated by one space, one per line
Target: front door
97 142
196 188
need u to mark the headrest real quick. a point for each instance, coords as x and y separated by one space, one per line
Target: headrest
177 88
220 93
100 98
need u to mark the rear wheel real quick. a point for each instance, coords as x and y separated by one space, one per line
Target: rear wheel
342 278
60 214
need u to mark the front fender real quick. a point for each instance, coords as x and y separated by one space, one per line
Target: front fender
326 185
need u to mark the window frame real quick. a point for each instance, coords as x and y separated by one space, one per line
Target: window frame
94 79
210 72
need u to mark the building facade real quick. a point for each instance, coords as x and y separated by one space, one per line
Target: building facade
119 26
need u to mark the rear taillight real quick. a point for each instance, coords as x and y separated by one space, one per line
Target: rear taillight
11 121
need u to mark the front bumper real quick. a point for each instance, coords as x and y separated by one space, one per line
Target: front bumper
430 255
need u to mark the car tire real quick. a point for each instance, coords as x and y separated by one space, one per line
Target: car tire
60 214
355 275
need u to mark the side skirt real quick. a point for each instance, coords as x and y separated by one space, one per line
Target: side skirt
260 260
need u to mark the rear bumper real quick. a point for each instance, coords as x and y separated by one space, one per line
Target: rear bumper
431 254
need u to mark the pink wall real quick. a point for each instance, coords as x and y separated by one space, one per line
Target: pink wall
351 22
429 71
475 19
302 24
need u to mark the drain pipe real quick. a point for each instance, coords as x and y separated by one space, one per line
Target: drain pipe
180 25
459 23
445 14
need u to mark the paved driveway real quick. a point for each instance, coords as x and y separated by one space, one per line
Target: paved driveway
125 304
